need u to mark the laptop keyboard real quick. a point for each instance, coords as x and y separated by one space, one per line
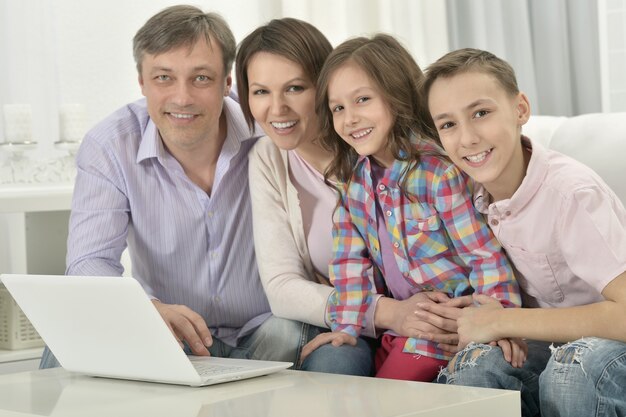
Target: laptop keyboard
206 369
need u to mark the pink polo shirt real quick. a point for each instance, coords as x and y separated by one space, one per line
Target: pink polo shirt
564 230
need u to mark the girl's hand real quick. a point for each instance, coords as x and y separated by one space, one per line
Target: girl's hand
406 323
336 338
437 317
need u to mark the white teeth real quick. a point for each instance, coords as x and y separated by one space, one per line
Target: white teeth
283 125
478 157
361 133
182 116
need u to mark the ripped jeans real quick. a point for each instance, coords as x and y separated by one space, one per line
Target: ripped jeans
582 378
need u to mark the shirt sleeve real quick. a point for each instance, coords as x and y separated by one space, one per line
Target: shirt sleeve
348 273
293 292
490 272
592 235
100 214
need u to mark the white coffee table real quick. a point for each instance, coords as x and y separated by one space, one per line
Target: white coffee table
55 392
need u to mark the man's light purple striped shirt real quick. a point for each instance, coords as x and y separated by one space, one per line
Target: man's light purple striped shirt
186 247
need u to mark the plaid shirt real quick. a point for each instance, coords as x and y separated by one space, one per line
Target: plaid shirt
439 241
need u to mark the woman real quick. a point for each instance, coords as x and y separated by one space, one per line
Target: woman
277 67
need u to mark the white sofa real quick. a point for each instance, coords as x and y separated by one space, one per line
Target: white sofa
598 140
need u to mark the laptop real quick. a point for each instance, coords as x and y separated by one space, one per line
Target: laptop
108 327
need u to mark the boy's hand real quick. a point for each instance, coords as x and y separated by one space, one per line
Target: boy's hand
476 324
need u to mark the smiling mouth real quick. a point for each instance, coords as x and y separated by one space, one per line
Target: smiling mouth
361 133
181 116
479 157
283 125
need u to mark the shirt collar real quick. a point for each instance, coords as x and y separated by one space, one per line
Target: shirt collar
237 131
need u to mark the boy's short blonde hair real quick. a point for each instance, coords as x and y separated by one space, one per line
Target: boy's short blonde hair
467 60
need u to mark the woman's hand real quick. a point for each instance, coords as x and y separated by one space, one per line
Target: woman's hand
335 338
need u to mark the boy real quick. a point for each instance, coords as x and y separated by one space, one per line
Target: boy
563 229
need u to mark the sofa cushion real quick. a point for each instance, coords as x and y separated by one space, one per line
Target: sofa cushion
598 140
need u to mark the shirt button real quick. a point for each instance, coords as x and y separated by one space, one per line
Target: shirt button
396 244
494 222
370 220
209 213
388 213
381 187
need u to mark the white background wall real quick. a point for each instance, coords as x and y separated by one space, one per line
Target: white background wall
613 47
80 51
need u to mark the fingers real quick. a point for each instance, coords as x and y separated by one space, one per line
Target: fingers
460 302
445 338
187 326
437 296
505 345
344 338
335 338
449 349
483 299
438 315
514 351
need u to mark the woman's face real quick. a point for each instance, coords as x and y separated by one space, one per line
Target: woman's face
282 100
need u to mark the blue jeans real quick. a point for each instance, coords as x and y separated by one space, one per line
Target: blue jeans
582 378
585 378
275 340
345 359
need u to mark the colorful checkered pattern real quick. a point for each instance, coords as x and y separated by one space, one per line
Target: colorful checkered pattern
439 241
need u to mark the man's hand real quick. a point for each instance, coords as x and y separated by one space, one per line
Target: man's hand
336 338
187 326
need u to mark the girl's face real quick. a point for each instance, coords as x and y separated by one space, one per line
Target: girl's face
361 115
282 100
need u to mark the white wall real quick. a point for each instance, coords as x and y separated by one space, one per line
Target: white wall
79 51
613 51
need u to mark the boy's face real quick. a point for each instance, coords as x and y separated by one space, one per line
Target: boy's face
479 124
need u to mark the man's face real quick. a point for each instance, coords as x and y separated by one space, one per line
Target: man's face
184 90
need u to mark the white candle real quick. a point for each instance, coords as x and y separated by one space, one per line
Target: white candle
18 123
72 122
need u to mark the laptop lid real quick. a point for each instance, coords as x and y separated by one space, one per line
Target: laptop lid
108 327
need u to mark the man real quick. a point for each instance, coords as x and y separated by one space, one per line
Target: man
168 176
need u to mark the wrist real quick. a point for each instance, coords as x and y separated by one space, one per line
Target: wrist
383 315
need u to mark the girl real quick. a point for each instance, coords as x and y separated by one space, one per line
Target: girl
405 211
